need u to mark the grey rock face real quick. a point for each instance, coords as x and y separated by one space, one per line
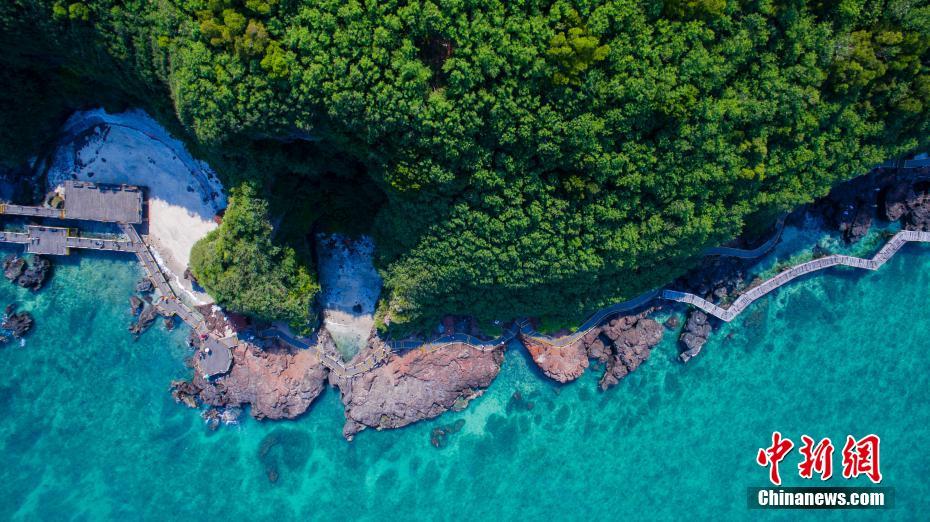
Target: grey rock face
697 330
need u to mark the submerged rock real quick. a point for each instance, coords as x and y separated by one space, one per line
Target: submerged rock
697 330
135 304
439 434
19 323
145 286
186 392
415 385
278 382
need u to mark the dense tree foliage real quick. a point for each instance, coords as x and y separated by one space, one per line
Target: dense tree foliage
243 269
523 156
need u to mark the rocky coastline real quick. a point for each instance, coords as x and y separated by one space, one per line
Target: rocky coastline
277 381
416 385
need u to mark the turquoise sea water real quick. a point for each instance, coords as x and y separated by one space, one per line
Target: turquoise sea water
90 432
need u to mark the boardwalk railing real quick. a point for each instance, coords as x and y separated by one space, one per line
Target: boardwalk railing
23 210
751 253
170 305
783 278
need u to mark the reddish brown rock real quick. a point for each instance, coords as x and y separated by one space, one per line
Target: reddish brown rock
415 385
622 344
562 363
279 382
221 322
632 338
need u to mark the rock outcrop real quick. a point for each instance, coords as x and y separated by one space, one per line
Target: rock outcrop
849 206
144 320
623 344
278 382
186 392
415 385
145 286
35 274
25 275
715 279
18 323
13 267
561 363
694 336
135 304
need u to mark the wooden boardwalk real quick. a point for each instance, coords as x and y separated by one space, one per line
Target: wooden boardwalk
217 357
757 292
24 210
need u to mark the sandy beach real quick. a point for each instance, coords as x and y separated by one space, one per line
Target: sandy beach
184 195
351 287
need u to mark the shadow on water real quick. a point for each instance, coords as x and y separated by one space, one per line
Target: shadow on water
284 450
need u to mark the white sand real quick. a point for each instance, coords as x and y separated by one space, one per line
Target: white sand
184 195
350 289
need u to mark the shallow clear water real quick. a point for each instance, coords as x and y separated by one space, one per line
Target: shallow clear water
90 431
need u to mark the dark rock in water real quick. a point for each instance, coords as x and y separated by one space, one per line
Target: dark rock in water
439 434
186 392
715 279
33 277
273 475
437 437
135 305
13 267
849 206
17 323
170 323
697 330
144 320
918 215
896 199
672 322
144 286
212 418
859 226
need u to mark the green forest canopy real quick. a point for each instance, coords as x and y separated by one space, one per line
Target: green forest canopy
510 157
